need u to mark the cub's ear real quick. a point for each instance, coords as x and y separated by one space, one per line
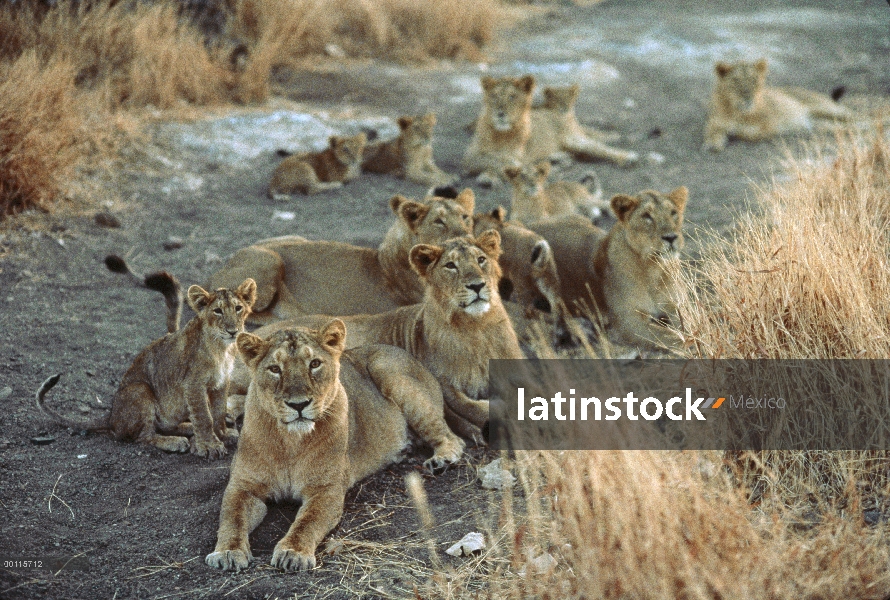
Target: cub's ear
405 122
541 254
542 169
247 292
198 298
413 213
623 205
512 172
488 82
360 138
499 214
526 83
549 94
490 243
429 119
761 66
423 256
335 141
679 197
252 349
467 200
395 202
333 336
574 90
722 69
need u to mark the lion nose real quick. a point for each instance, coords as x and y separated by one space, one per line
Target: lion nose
232 332
299 406
476 287
670 238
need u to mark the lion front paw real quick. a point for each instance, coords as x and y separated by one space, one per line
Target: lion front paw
446 453
211 449
291 561
229 560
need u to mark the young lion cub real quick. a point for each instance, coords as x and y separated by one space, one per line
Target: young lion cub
177 386
410 155
743 107
313 172
317 420
532 200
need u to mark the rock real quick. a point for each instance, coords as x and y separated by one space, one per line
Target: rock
540 565
42 440
494 477
6 392
173 243
470 544
873 517
106 219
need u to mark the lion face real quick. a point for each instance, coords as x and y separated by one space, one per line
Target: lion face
295 373
462 274
223 311
417 132
507 100
653 222
561 99
348 150
436 219
528 180
741 83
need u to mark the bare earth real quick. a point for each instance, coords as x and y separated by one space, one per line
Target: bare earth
146 519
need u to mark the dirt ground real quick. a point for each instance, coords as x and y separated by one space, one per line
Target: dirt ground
146 519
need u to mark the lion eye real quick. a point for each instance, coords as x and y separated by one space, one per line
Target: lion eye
238 308
275 369
481 260
465 217
217 311
439 222
648 217
673 213
315 363
451 265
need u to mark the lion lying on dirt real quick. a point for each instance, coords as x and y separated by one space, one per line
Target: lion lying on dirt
555 131
460 325
743 107
313 172
627 271
410 155
318 420
502 129
532 200
176 387
296 276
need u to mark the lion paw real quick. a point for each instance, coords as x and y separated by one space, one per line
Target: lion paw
290 560
446 453
230 436
229 560
211 449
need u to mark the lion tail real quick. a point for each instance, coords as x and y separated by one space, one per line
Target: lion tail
162 282
97 424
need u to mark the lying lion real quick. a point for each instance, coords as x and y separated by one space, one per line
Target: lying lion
410 155
534 199
314 172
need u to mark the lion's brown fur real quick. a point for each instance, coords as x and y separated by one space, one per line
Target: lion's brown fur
313 172
410 155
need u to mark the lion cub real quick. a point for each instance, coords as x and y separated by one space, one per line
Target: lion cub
502 129
555 131
532 200
177 385
313 172
317 420
743 107
410 155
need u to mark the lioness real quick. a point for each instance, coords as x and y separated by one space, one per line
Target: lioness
626 270
502 129
296 276
410 155
313 172
460 325
555 130
743 107
532 200
177 386
317 420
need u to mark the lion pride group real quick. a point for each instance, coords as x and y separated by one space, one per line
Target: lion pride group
327 401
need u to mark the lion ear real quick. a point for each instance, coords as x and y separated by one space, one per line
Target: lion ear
722 69
526 83
333 336
490 243
405 122
429 119
761 66
412 213
247 292
488 82
575 90
499 214
467 200
252 348
423 256
334 141
541 253
395 202
512 172
542 169
198 298
623 205
679 197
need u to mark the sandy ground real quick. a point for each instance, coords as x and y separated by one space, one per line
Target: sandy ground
146 519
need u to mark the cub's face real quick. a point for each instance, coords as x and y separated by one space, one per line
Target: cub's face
462 274
561 99
741 83
295 372
653 222
436 219
528 180
417 132
507 100
223 311
348 150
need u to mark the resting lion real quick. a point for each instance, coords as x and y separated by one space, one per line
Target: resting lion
176 387
555 131
743 107
313 172
534 199
296 276
410 155
502 129
627 270
460 325
318 420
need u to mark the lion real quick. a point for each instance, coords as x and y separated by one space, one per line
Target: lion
410 155
459 326
555 131
742 106
314 172
627 270
318 419
176 387
532 200
297 277
502 129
